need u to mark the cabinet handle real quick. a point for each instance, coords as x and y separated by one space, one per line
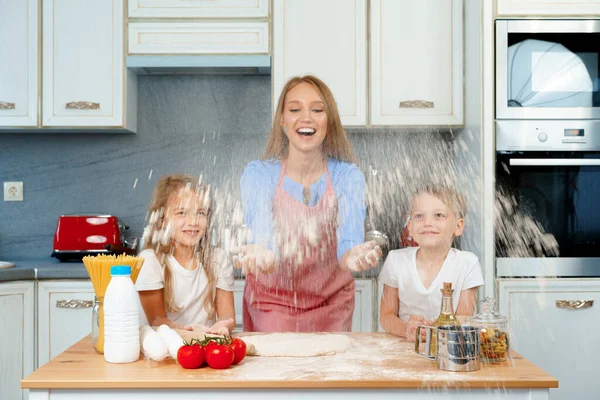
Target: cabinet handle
6 106
83 105
74 303
574 304
416 104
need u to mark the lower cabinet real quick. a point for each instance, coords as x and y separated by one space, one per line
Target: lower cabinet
364 318
17 339
554 323
64 315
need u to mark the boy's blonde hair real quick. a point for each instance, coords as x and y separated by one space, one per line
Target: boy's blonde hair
336 144
157 239
447 195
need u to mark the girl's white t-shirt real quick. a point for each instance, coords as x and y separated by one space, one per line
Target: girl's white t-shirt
399 271
188 285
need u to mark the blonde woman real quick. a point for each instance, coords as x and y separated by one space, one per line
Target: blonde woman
304 207
184 282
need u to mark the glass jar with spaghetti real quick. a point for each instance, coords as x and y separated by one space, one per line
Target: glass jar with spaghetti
493 330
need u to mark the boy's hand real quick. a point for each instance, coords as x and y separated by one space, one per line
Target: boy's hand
411 327
253 257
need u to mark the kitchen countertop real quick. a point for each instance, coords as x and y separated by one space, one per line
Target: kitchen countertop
376 360
51 268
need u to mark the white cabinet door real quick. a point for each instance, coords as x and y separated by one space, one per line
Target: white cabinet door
18 63
309 42
547 7
198 8
199 37
363 319
560 340
17 342
64 315
416 62
83 63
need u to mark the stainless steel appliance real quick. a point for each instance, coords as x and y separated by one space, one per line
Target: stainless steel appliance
547 69
551 171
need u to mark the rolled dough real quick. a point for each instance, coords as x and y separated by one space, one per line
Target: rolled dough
296 344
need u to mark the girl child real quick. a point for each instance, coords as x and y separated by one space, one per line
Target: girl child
184 283
412 277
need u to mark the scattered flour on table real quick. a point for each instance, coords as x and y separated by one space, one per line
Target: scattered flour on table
296 344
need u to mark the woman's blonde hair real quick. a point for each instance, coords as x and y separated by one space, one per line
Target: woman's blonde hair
335 145
157 237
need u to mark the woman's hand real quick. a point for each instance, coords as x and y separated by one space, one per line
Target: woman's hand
252 258
362 257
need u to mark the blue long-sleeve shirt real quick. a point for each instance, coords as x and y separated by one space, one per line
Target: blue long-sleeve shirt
258 185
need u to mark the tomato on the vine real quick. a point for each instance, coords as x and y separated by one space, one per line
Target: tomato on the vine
239 349
191 355
218 356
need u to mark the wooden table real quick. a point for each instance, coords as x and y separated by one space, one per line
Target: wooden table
378 365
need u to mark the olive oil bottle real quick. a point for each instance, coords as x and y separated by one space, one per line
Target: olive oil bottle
446 316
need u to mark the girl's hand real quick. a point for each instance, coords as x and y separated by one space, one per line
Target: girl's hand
362 257
221 327
254 258
196 328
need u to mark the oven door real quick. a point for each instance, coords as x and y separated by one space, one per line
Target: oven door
549 221
547 69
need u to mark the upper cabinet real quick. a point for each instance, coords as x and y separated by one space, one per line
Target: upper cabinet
547 8
413 76
85 83
336 54
416 63
198 8
19 63
84 80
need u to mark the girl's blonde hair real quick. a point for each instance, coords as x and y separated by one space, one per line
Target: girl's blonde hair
335 145
157 237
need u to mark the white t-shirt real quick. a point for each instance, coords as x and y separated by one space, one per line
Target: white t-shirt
399 271
188 285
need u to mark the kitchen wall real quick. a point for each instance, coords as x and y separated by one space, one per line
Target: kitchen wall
215 125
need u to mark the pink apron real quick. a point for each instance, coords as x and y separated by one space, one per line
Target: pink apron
308 292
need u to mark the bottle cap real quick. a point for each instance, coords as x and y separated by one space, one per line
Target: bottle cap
120 270
447 290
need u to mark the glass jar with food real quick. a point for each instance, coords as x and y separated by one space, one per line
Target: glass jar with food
493 329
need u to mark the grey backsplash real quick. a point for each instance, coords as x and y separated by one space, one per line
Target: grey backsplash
209 125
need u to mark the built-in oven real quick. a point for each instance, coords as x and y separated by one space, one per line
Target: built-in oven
547 69
548 198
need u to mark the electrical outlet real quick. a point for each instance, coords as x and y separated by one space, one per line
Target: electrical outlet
13 191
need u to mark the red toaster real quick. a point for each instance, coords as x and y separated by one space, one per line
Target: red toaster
77 236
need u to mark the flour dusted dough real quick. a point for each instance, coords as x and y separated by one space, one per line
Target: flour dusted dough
296 344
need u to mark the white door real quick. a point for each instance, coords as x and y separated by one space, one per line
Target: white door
548 7
553 323
416 68
64 316
198 8
238 299
17 341
83 72
18 63
327 39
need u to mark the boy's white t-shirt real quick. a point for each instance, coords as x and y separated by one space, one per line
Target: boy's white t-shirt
188 285
399 271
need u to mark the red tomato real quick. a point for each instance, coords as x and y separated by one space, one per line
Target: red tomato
239 349
218 356
190 356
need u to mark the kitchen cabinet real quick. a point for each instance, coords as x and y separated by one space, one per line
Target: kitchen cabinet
85 82
414 72
363 319
17 341
553 323
416 62
185 37
18 63
64 315
335 53
198 8
557 8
